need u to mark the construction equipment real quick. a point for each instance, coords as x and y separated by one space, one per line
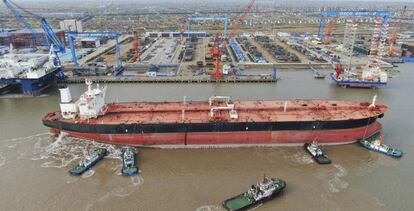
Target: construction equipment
241 19
50 36
216 51
213 18
181 30
73 35
397 29
329 31
363 13
137 56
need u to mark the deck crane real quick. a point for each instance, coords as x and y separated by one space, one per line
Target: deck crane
393 38
50 36
216 51
136 56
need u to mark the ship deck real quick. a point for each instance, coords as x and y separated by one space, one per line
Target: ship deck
248 111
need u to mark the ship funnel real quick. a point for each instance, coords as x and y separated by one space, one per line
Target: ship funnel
65 96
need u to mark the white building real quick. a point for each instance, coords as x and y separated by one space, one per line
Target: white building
71 25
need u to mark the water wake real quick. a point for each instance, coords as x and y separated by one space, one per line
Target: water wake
209 208
119 191
337 183
2 159
63 151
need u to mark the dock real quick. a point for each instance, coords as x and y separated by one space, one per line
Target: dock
111 79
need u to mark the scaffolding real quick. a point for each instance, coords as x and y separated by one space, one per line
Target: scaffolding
349 41
378 41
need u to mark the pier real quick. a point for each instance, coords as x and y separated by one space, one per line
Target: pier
110 79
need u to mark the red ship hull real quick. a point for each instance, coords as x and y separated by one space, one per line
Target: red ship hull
220 139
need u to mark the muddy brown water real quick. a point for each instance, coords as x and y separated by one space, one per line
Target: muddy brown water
34 166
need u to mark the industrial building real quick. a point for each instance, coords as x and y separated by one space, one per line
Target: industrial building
177 34
23 38
71 25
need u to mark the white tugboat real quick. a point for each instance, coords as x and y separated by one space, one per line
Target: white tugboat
317 153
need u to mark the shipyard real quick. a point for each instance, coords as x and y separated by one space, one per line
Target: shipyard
206 105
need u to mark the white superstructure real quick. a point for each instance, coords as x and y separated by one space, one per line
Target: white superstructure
91 103
30 66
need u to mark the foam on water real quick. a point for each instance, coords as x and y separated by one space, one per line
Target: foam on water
65 151
119 191
300 158
62 152
2 159
209 208
88 174
337 183
70 179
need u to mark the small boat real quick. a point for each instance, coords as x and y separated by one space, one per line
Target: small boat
375 144
265 190
89 161
317 153
129 166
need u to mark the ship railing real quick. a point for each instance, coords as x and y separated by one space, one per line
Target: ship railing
213 99
232 113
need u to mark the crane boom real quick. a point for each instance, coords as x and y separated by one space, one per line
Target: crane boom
50 36
217 51
393 39
137 55
22 21
241 18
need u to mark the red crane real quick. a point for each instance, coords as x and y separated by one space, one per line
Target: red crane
393 38
136 56
181 29
241 19
329 31
216 51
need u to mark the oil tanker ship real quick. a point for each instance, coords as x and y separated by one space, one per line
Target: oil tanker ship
218 122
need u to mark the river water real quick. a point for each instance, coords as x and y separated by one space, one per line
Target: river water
34 166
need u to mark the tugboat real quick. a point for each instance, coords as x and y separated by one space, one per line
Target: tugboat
375 144
88 162
265 190
317 153
129 166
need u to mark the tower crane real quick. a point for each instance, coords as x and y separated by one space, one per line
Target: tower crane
50 36
216 51
136 56
181 30
241 18
393 38
329 31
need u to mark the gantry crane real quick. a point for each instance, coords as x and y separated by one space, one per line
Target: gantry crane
50 36
393 38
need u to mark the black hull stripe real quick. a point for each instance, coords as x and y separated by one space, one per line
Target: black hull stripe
209 127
